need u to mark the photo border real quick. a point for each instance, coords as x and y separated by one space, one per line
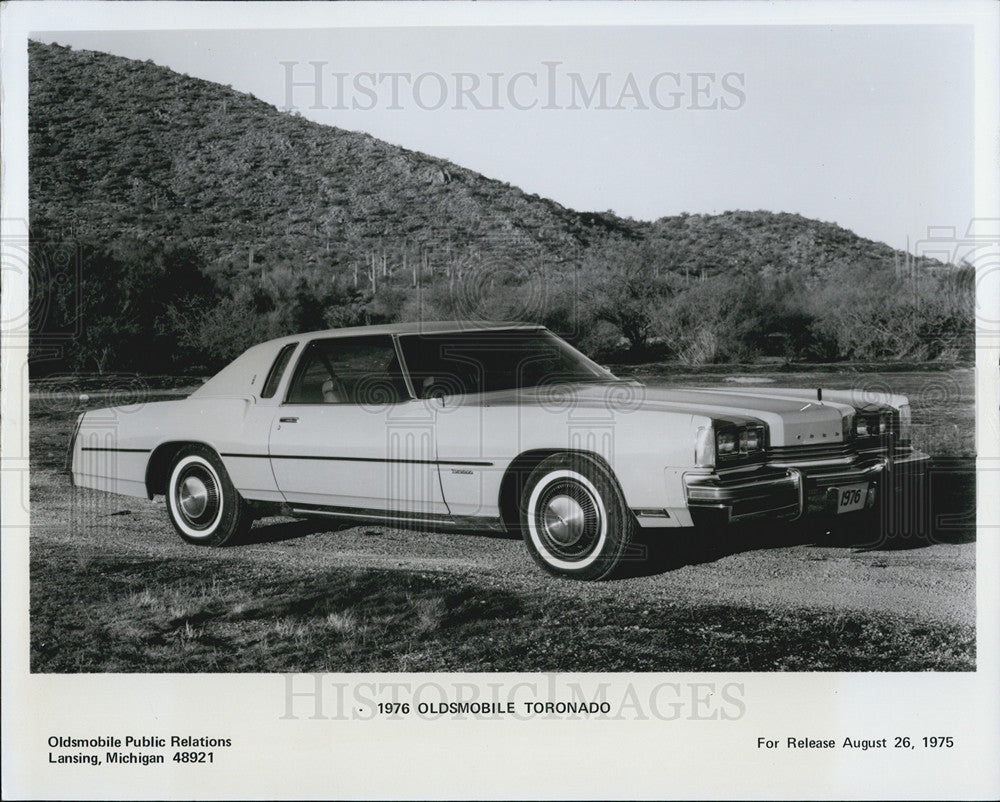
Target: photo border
316 757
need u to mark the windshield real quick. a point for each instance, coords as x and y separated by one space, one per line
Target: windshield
484 361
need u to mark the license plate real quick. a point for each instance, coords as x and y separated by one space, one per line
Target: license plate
851 497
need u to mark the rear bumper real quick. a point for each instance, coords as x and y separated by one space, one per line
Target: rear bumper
790 491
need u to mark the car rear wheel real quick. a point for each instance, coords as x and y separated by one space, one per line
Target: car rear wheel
573 517
202 503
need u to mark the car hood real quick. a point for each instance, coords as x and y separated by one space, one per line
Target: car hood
793 417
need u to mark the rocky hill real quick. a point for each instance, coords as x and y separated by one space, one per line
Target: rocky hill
123 147
296 224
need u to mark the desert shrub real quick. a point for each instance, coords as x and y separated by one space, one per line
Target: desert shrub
213 333
719 320
879 314
626 284
866 314
113 300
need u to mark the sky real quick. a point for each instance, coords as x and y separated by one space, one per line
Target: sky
869 127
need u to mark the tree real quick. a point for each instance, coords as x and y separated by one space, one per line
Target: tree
627 285
113 299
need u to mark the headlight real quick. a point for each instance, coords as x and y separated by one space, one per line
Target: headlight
751 439
863 425
726 443
723 441
872 424
738 441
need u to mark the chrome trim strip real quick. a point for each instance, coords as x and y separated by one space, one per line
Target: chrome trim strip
120 450
482 521
360 459
857 474
377 516
736 492
403 367
910 458
808 463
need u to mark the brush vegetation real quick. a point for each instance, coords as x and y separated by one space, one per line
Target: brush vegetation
175 222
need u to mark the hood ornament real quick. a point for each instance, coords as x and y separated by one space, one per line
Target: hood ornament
819 399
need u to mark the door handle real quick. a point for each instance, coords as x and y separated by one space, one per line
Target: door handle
288 420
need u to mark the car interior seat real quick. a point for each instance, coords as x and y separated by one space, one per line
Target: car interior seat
334 391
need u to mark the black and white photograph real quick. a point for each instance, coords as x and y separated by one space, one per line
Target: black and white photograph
595 383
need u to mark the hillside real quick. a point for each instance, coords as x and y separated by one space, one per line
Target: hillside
131 162
121 146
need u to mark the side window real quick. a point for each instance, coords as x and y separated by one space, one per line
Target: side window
348 370
277 370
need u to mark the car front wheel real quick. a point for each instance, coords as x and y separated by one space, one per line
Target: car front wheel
202 503
573 517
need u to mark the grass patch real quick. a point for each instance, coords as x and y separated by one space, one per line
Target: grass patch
115 614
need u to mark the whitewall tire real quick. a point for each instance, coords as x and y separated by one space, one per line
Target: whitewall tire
202 503
573 517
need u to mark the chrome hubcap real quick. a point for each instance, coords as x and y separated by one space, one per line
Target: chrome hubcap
193 496
196 497
564 520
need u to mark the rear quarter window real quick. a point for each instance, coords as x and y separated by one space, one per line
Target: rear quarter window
277 370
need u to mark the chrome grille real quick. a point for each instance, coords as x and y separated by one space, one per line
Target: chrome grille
811 451
824 451
738 476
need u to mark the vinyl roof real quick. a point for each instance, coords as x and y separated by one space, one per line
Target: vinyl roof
416 327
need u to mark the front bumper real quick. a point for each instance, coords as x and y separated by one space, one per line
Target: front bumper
788 491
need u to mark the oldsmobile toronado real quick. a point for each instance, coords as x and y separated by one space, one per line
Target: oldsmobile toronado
502 426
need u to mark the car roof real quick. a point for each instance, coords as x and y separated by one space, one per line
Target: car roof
416 327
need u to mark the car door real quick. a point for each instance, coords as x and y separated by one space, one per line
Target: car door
348 436
476 438
498 393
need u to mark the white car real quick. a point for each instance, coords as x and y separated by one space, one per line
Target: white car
506 426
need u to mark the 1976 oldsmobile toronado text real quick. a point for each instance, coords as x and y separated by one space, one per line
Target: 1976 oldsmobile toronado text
318 697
